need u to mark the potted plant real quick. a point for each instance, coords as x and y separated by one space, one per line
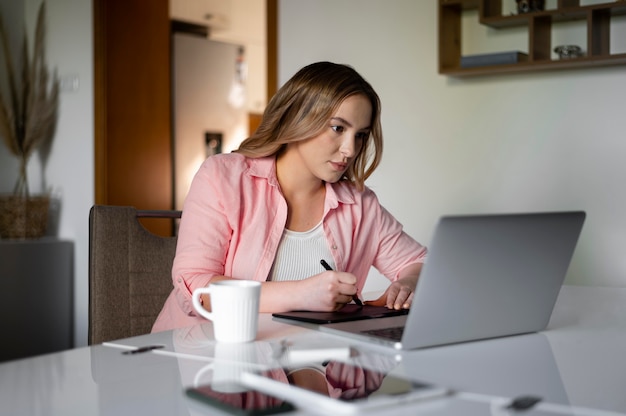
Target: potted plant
28 117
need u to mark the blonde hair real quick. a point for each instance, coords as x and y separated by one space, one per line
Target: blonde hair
302 108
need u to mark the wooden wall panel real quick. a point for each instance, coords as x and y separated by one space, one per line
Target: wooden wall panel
133 105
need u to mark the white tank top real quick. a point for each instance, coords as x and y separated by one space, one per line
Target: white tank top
299 255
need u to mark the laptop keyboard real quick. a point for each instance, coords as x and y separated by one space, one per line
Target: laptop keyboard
393 333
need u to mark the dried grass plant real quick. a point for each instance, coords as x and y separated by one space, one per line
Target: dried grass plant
28 117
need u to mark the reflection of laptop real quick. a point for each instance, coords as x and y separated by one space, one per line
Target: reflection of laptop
486 276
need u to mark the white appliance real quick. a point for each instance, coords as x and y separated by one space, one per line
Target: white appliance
209 104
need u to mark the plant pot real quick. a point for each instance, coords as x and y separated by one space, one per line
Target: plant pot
23 217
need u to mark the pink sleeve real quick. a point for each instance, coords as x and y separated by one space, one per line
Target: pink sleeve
204 234
351 382
396 249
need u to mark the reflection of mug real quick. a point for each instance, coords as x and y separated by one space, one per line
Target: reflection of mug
231 361
234 309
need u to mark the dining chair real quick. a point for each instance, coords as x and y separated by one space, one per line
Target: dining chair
129 271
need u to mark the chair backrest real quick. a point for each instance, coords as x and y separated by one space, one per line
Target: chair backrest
129 272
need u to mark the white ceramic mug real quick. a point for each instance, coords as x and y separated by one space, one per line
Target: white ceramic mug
234 309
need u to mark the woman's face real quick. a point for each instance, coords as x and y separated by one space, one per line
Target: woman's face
328 155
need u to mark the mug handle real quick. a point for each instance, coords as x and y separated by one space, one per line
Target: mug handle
198 305
198 377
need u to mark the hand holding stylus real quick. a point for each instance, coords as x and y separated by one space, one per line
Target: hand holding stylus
327 267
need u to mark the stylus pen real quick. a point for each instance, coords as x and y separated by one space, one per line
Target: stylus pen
144 349
327 267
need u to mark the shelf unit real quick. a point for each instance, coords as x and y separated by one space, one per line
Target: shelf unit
597 18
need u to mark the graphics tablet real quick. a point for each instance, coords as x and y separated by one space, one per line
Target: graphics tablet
349 312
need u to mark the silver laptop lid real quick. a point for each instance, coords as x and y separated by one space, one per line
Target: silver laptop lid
491 275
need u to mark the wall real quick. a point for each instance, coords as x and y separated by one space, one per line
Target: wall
513 143
13 20
241 22
69 170
248 28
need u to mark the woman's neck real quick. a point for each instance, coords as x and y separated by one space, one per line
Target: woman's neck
304 194
296 182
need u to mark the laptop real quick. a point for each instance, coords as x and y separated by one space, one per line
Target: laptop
486 276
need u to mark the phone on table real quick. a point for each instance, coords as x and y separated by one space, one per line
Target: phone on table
349 389
243 402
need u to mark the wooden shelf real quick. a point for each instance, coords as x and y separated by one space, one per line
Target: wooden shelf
597 18
565 14
582 62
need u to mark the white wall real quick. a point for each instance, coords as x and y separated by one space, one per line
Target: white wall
241 22
513 143
247 27
69 170
13 19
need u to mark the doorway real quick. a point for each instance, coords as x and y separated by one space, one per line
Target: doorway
133 102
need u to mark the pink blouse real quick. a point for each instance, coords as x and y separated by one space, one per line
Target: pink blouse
233 220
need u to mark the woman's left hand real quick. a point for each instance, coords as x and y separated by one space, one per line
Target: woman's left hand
399 294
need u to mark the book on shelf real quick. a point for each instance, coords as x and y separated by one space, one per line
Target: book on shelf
498 58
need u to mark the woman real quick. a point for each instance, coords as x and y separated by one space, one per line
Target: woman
291 195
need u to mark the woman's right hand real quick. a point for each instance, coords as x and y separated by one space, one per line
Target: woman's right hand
327 291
